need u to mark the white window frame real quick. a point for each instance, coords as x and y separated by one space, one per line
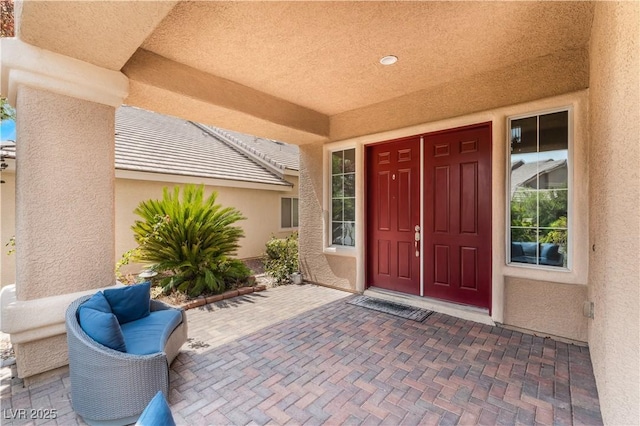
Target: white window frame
327 214
291 228
570 210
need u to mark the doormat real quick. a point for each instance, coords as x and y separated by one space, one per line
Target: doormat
403 311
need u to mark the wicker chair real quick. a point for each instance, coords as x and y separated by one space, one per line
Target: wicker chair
109 387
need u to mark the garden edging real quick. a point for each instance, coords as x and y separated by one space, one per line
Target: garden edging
201 301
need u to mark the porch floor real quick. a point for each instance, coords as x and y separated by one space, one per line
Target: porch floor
302 355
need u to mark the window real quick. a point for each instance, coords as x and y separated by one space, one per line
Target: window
539 190
288 212
343 197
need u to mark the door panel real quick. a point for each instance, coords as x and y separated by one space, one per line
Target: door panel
441 198
469 268
393 211
468 198
384 201
442 271
384 257
457 197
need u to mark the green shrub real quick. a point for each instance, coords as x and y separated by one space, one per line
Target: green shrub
281 258
190 240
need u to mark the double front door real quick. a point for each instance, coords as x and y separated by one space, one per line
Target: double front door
429 215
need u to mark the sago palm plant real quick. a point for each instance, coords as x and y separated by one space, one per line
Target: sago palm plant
190 238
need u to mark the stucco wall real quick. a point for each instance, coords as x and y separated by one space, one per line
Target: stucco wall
260 207
614 272
333 270
7 226
549 309
64 194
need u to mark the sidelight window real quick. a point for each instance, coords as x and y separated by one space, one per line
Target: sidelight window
343 198
539 190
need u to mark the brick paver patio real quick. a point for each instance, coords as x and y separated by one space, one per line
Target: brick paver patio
302 355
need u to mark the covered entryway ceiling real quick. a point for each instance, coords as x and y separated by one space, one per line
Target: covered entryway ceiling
309 71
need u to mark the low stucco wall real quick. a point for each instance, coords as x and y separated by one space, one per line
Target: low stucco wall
334 270
548 309
614 265
260 207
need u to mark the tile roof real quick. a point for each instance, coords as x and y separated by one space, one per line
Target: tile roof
150 142
282 155
522 172
8 149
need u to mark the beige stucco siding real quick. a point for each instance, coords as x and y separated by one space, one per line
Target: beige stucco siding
549 309
260 207
334 270
614 264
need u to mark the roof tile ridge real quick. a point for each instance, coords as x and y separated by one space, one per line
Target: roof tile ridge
252 152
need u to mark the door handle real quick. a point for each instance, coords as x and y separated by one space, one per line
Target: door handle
416 242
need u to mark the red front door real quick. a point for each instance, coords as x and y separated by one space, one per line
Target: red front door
393 212
457 213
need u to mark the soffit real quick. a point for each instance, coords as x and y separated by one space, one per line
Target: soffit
324 56
104 33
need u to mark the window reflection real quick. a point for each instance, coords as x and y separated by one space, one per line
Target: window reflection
343 192
539 189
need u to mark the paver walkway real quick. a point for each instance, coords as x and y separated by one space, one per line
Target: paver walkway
302 355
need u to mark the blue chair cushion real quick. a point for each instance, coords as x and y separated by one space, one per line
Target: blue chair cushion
102 327
129 303
156 413
148 335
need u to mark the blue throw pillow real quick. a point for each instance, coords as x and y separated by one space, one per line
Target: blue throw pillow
129 303
156 413
97 302
516 250
550 251
103 328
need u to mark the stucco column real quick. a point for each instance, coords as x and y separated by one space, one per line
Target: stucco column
64 194
65 176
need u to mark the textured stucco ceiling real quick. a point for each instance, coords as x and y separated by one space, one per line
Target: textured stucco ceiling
104 33
309 71
324 56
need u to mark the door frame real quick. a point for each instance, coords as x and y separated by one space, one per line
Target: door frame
367 203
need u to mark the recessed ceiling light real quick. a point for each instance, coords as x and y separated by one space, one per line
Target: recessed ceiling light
388 60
